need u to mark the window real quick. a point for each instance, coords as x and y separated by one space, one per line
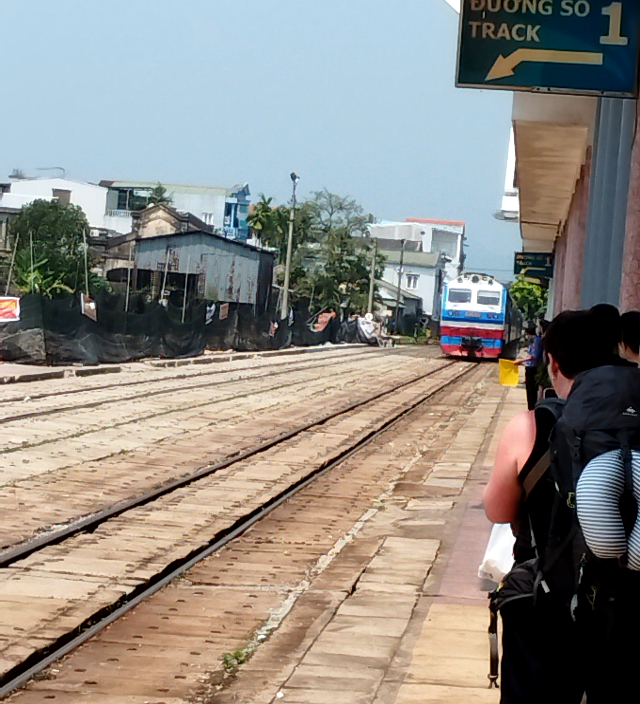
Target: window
208 218
459 295
412 280
123 200
62 196
489 298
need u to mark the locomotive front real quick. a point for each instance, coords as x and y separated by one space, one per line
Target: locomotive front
473 317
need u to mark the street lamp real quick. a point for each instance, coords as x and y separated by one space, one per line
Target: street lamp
284 312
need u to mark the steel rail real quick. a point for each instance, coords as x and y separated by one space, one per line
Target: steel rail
301 366
170 411
21 673
193 362
91 522
196 362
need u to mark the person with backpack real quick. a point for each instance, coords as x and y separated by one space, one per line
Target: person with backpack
591 561
541 659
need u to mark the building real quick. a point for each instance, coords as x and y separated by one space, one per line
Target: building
223 209
16 193
410 303
510 209
422 272
577 161
444 237
554 138
118 253
433 252
209 265
110 205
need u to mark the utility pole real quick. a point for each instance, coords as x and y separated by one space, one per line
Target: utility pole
186 287
86 262
126 302
13 259
400 268
372 276
284 312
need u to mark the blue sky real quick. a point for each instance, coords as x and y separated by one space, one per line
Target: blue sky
355 96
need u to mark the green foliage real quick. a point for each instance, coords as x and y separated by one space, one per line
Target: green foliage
330 213
329 267
231 661
340 275
159 195
270 224
530 298
50 251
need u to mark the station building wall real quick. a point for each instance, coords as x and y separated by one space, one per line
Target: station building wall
630 285
569 248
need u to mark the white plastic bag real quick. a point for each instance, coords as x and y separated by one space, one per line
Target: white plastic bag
498 557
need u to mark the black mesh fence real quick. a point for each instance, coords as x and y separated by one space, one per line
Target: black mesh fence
55 331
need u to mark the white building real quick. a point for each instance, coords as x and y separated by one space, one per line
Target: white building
444 237
510 209
110 204
90 197
225 209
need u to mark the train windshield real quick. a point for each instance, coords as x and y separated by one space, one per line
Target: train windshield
489 298
459 295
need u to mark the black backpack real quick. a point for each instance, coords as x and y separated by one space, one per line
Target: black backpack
601 415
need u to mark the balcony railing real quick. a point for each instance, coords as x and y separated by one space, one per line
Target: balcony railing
119 213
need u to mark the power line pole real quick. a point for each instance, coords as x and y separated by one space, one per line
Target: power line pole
284 313
372 277
400 268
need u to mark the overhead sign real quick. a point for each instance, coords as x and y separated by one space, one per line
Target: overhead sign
536 264
567 46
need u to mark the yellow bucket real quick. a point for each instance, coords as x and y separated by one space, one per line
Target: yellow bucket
509 372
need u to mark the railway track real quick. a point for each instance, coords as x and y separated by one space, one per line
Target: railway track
148 386
189 520
18 436
67 479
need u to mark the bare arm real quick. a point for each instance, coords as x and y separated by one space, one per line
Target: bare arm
503 493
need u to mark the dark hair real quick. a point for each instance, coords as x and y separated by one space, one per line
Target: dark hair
607 329
630 323
531 330
568 340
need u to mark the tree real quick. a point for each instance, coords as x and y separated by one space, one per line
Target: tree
330 212
530 298
50 253
159 195
339 275
341 278
270 224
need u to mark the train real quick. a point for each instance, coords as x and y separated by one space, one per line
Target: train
479 319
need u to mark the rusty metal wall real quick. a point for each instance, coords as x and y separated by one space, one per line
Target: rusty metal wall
230 270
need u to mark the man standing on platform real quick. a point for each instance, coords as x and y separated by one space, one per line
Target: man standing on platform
531 363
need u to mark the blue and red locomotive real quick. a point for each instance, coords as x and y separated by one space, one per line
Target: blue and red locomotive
479 319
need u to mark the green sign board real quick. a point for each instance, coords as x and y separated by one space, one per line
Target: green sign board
566 46
536 264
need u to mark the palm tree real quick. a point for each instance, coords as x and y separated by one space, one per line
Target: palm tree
159 196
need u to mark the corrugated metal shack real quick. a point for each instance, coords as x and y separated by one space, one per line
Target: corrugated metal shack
217 269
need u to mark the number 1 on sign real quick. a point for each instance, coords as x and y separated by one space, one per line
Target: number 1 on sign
614 38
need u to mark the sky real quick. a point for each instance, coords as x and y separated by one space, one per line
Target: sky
357 97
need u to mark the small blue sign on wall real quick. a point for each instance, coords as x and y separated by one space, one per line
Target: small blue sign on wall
567 46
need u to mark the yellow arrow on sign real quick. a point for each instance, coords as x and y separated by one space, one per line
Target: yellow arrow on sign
505 65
